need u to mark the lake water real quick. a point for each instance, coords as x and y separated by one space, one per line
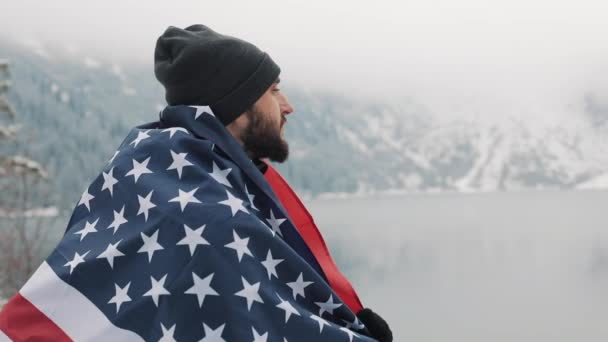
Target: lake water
520 266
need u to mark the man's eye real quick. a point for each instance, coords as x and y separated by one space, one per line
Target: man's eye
276 89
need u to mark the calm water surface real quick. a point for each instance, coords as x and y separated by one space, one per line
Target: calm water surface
522 266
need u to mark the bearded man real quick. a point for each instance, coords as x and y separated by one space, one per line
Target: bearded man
188 233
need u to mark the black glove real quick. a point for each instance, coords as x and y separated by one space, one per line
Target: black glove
376 325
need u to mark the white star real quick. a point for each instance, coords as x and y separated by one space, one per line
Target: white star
121 296
234 203
213 335
110 253
185 197
140 136
270 264
145 204
350 333
88 228
150 245
119 219
275 223
85 199
173 130
158 289
114 156
201 288
179 162
328 306
251 197
298 286
109 181
167 334
221 176
78 259
354 324
239 245
322 322
193 238
288 308
250 292
200 110
259 338
139 169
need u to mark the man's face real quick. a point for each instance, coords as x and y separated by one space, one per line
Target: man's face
262 136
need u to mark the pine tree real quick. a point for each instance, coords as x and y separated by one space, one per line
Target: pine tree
23 192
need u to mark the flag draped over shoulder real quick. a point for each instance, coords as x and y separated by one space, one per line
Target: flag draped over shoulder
180 238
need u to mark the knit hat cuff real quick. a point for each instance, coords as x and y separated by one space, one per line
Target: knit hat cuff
248 92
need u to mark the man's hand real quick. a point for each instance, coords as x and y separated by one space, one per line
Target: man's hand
376 325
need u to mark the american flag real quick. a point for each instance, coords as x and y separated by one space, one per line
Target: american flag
180 239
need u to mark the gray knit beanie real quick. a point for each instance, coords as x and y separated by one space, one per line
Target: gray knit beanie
198 66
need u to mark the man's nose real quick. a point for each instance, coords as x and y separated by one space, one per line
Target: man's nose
286 107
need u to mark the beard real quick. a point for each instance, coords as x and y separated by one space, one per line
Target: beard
262 139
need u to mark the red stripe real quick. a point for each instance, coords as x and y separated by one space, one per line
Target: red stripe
20 320
311 235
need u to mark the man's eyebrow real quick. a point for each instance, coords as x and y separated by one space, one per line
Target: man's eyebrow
277 81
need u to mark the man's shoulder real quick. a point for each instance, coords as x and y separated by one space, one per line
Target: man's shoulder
173 150
152 137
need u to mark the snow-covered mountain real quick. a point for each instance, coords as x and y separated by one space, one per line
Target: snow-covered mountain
407 148
339 144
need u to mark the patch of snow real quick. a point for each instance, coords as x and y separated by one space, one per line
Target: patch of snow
373 125
54 88
36 47
483 146
91 63
34 212
411 180
382 127
492 173
117 70
342 195
363 189
350 137
598 182
64 97
418 159
9 131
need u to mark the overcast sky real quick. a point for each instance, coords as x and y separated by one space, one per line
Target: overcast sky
471 55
